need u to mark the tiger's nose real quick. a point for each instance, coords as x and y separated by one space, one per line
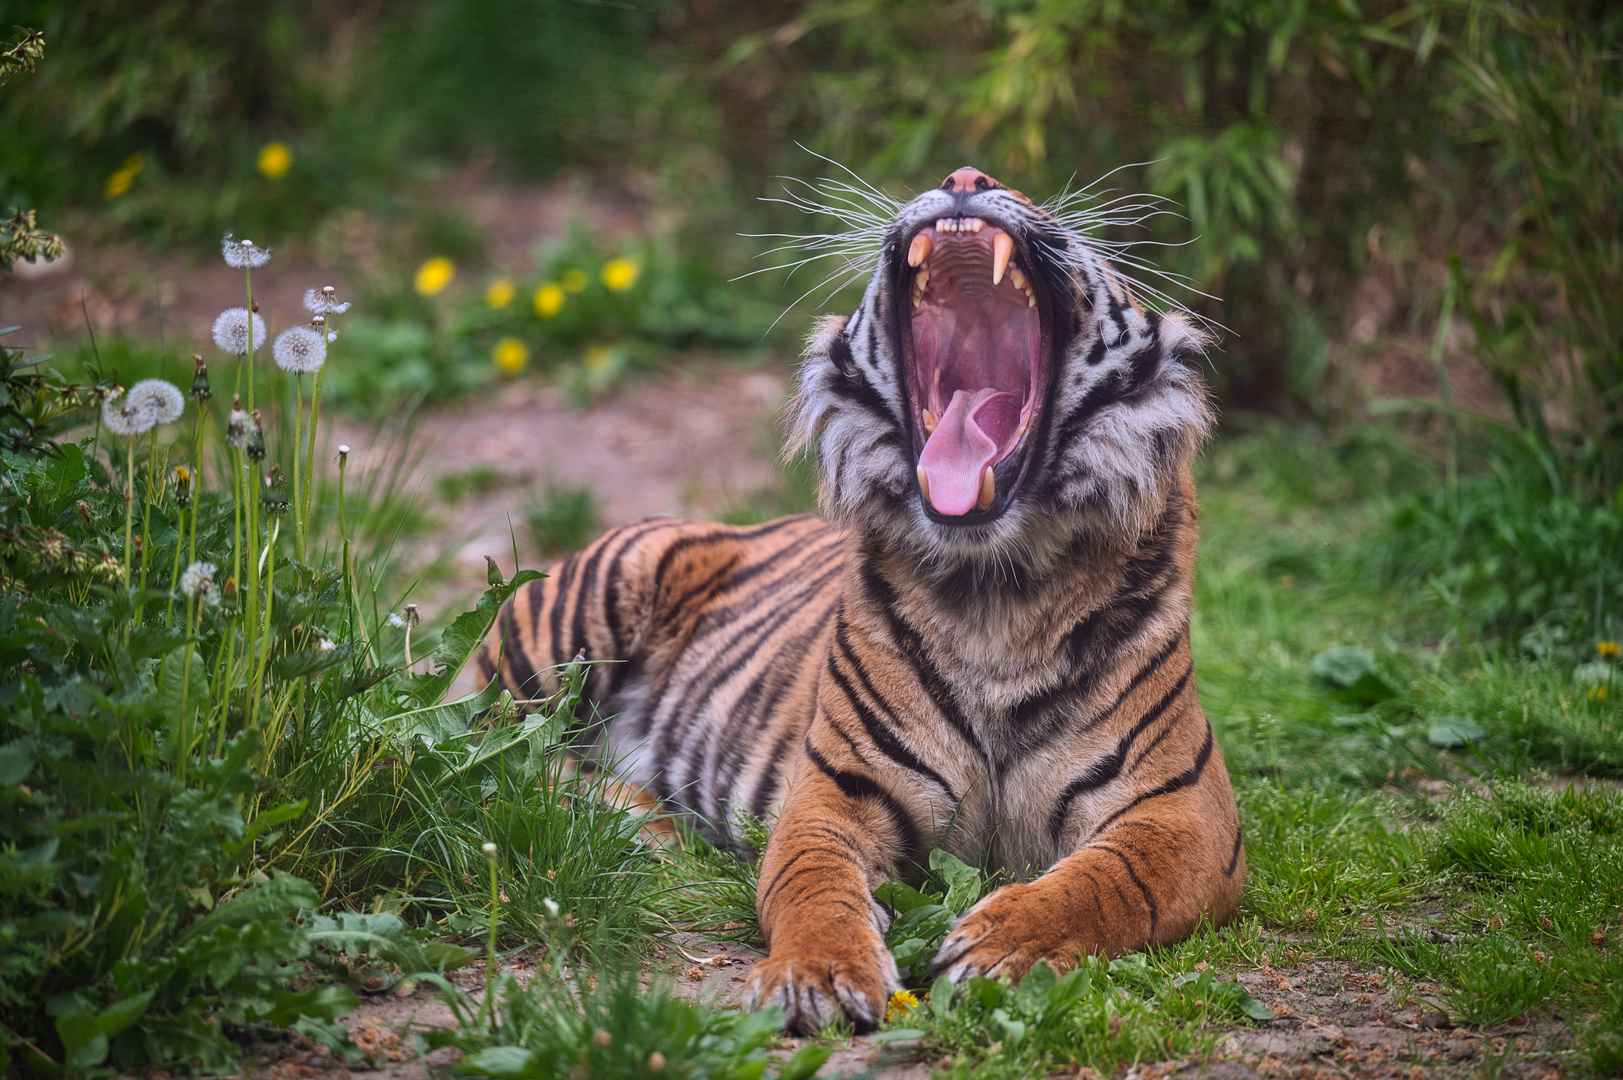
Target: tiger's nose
968 180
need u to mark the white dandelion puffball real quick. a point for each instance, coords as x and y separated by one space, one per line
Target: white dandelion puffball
396 621
239 428
324 301
231 331
197 582
242 254
127 418
299 350
162 399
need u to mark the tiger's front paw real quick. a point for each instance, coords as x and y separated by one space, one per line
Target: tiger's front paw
816 985
1005 933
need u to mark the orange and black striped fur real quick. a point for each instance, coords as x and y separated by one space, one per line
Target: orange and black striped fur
1011 681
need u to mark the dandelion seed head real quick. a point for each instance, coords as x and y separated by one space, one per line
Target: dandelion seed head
396 621
489 850
300 350
231 331
324 645
324 301
243 254
162 399
197 582
239 426
552 907
127 417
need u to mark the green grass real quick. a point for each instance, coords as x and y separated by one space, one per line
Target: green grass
564 519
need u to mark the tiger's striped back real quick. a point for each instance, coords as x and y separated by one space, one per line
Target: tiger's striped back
715 635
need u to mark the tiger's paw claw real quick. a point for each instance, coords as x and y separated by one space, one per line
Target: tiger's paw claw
991 940
813 992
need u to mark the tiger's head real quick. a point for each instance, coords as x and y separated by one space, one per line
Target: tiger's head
998 393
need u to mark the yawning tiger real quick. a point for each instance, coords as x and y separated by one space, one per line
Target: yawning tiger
985 648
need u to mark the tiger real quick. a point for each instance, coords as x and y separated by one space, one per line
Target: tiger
982 646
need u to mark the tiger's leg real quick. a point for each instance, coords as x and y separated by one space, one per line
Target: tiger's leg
836 836
1148 877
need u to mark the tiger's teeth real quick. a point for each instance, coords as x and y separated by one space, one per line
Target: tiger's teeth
988 489
919 251
975 224
924 483
1015 275
944 225
1002 249
929 422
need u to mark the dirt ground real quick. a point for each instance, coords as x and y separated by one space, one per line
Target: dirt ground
1334 1021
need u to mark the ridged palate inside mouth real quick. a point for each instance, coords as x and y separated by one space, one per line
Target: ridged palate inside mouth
975 338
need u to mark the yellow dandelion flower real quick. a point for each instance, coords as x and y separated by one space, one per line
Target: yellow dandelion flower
1609 649
499 294
1597 693
274 160
549 299
120 181
573 281
620 274
597 358
434 275
510 355
901 1003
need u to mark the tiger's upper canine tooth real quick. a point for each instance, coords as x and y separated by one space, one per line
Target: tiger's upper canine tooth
920 250
1002 249
988 490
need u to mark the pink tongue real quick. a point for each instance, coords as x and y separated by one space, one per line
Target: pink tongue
965 441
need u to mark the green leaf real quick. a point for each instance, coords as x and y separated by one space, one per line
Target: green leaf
909 952
121 1014
463 636
84 1043
928 921
319 1002
16 762
1343 665
963 881
898 1035
443 956
941 992
1450 731
988 991
902 897
439 723
1253 1008
807 1060
505 1062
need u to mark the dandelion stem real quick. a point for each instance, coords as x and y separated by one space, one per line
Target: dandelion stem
310 450
129 512
490 943
298 501
248 282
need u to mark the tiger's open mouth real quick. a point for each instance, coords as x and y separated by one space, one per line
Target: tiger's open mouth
975 341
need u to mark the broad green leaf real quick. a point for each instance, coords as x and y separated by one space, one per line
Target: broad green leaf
84 1043
121 1014
1343 665
988 991
941 992
928 921
902 896
16 762
898 1035
909 952
439 723
807 1060
319 1002
503 1062
963 881
1450 731
463 636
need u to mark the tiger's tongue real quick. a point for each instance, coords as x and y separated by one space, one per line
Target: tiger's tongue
971 435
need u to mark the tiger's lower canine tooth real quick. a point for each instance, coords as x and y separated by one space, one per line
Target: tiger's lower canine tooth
1002 249
988 489
924 483
919 251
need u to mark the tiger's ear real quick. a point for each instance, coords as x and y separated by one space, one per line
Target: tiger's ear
807 411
